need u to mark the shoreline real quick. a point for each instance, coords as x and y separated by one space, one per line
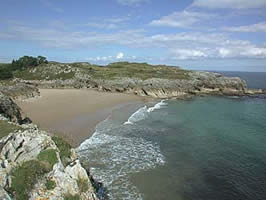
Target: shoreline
74 113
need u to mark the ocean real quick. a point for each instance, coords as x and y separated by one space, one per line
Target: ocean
207 148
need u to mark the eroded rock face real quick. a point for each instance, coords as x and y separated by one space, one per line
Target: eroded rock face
198 83
26 145
9 109
20 89
66 182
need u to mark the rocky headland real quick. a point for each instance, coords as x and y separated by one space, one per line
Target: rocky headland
156 81
36 165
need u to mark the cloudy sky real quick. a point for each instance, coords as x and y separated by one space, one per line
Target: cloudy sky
194 34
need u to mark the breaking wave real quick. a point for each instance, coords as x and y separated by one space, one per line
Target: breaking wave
116 151
143 112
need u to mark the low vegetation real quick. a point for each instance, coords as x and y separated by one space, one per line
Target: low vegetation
132 70
6 128
7 71
64 149
43 73
24 178
31 68
71 197
50 184
48 158
83 184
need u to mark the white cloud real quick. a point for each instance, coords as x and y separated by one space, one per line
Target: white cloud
108 59
184 54
120 55
250 51
110 23
131 2
234 4
259 27
182 19
186 45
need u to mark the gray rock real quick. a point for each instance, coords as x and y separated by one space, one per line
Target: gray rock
26 145
9 109
20 89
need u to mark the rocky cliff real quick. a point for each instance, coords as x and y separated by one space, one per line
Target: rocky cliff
35 165
137 78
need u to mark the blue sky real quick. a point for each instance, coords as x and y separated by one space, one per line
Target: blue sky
195 34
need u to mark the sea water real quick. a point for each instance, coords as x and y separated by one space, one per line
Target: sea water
207 148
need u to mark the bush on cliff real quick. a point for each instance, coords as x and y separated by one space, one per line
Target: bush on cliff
50 184
6 128
64 149
48 158
24 178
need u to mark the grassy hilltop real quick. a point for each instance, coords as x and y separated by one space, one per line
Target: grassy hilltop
30 68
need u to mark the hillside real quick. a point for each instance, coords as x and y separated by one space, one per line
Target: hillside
157 81
63 71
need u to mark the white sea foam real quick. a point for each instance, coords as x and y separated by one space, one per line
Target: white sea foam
114 152
157 106
139 115
143 112
114 157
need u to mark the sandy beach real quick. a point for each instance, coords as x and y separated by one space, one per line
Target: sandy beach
72 113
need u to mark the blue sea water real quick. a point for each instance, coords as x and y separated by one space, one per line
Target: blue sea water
254 79
207 148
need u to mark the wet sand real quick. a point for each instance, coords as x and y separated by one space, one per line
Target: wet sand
73 113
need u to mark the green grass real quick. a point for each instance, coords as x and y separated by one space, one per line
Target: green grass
133 70
6 128
82 184
64 149
110 72
48 158
50 184
42 75
71 197
24 177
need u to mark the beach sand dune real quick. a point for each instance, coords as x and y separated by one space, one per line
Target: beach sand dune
73 113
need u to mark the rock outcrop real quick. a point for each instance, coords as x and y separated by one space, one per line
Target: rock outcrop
19 89
199 83
10 110
26 145
177 83
36 166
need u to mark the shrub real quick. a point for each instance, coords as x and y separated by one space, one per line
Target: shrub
6 128
28 62
83 184
71 197
24 178
5 72
64 149
50 184
48 158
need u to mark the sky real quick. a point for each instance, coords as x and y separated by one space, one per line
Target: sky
225 35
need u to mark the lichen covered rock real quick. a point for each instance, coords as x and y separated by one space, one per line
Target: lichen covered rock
52 180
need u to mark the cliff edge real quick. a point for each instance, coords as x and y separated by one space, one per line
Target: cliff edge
157 81
35 165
